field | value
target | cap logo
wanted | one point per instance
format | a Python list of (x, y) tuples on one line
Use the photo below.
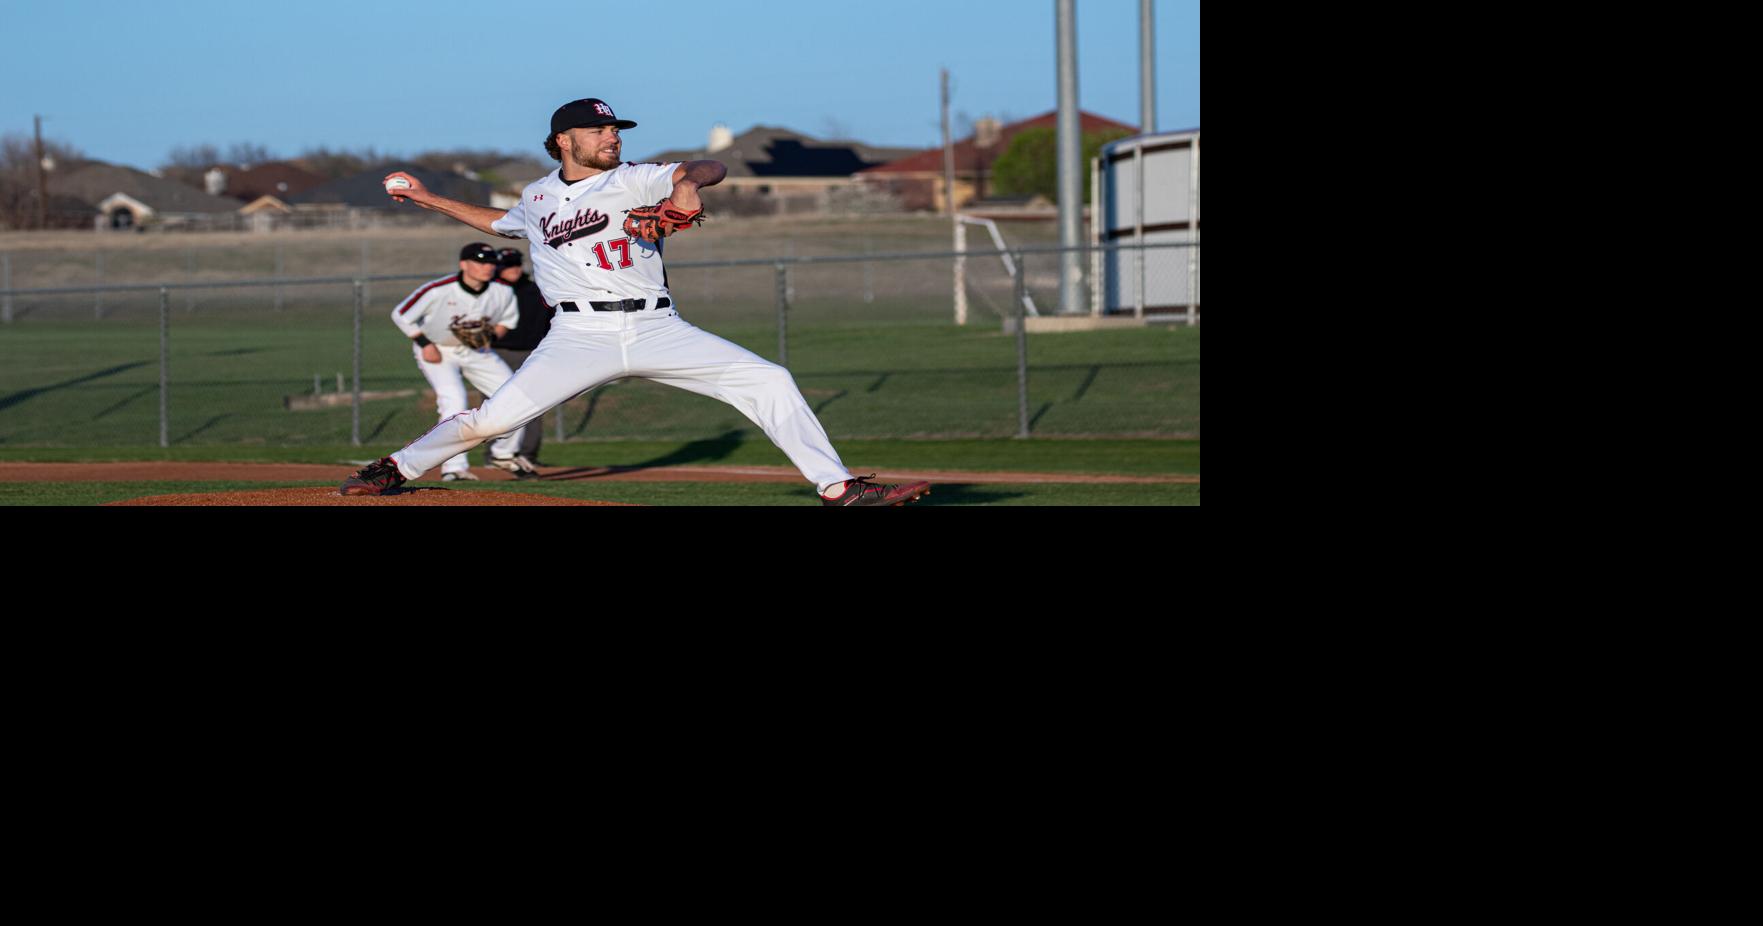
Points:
[(603, 109)]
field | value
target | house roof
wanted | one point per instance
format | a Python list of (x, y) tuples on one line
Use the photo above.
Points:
[(97, 182), (516, 174), (970, 156), (773, 151), (366, 190), (277, 178)]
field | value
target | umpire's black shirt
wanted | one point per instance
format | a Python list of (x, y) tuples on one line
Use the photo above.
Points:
[(535, 317)]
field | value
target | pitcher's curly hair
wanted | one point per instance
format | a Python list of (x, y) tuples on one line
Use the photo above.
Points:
[(551, 148)]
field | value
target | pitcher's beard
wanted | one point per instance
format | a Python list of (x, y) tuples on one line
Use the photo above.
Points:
[(595, 159)]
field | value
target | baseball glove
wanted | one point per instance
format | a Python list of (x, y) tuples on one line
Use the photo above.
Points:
[(652, 223), (475, 333)]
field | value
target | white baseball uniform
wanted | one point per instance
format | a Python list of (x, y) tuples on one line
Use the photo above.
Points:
[(431, 311), (581, 256)]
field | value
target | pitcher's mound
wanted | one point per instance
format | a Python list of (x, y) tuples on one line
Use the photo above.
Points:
[(420, 497)]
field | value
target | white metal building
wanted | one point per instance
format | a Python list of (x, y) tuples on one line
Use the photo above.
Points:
[(1147, 190)]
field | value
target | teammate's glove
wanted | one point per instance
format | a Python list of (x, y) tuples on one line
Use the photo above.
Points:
[(652, 223), (475, 333)]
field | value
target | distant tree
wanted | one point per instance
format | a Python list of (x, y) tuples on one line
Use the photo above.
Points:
[(1031, 163), (18, 179), (193, 157), (340, 163), (187, 163), (249, 154), (461, 160), (835, 128)]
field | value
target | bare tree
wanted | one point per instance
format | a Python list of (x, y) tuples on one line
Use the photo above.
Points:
[(465, 159), (835, 128), (18, 182), (342, 162), (187, 164), (963, 124), (249, 154)]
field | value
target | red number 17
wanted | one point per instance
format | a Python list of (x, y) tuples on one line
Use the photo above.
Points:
[(622, 245)]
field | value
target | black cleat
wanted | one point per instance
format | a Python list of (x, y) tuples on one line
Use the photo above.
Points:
[(376, 478)]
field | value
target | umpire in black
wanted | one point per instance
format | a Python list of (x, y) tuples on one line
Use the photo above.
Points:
[(535, 320)]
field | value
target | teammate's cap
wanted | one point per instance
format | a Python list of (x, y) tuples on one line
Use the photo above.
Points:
[(479, 252), (584, 113), (507, 257)]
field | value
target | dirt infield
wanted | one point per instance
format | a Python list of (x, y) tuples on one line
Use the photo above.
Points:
[(431, 492), (323, 496)]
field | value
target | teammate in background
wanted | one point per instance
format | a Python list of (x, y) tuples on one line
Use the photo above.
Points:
[(514, 347), (433, 317), (615, 316)]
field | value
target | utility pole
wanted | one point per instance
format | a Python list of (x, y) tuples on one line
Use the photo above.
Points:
[(1070, 147), (42, 183), (948, 152), (1147, 70), (954, 217)]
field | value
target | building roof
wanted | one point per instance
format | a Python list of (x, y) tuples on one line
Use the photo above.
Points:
[(97, 182), (366, 190), (772, 151), (276, 178), (970, 156), (513, 176)]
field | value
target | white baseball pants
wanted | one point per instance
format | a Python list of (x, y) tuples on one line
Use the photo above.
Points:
[(487, 372), (586, 349)]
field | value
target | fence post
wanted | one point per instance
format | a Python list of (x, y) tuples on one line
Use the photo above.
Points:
[(560, 422), (98, 297), (189, 275), (355, 401), (1021, 348), (960, 272), (164, 367), (278, 276), (783, 314), (6, 284), (366, 270)]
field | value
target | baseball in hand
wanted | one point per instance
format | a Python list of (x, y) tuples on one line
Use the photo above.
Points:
[(397, 183)]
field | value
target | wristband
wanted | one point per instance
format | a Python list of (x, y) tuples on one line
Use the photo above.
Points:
[(422, 340)]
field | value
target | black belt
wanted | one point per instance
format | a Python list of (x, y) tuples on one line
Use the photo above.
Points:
[(622, 305)]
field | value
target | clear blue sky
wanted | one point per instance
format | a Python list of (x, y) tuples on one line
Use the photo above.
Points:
[(127, 81)]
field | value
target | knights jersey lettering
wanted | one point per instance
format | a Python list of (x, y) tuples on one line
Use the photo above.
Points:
[(566, 222)]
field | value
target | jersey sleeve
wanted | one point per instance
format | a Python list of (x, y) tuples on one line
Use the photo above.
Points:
[(505, 311), (513, 223), (409, 314), (655, 181)]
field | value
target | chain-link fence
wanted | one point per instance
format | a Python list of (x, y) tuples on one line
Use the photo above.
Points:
[(172, 358)]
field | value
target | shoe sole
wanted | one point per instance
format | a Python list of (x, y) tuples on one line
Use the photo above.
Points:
[(915, 496)]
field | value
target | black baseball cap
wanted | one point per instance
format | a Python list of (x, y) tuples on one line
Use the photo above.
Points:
[(507, 257), (478, 251), (585, 113)]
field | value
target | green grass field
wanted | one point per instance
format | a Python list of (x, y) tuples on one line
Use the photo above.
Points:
[(94, 384)]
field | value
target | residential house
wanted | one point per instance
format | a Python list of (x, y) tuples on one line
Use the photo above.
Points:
[(917, 179), (127, 198), (278, 179), (775, 171)]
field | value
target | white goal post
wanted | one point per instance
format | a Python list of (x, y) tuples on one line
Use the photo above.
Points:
[(1010, 268)]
